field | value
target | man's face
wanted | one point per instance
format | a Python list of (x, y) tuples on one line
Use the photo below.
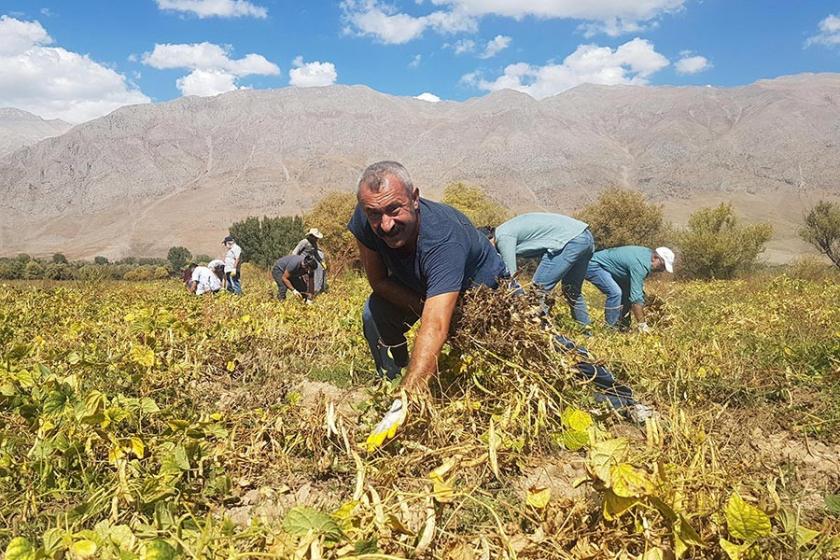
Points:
[(393, 213), (656, 263), (229, 244)]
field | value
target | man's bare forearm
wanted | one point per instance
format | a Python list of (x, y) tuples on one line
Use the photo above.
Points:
[(424, 357), (638, 312)]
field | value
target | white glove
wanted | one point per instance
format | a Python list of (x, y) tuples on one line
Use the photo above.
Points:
[(388, 426), (643, 328), (297, 293)]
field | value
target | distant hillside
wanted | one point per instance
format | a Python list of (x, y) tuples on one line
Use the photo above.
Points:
[(19, 128), (147, 177)]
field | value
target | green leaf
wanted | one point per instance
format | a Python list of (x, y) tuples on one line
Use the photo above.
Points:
[(122, 536), (20, 549), (366, 547), (684, 536), (175, 460), (149, 406), (54, 402), (832, 503), (744, 521), (158, 550), (300, 520), (94, 405)]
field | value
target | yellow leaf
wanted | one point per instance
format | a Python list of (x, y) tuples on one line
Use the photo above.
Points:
[(245, 319), (142, 355), (744, 521), (83, 548), (654, 554), (629, 482), (138, 447), (442, 491), (616, 506), (576, 419), (733, 550), (604, 454), (230, 366), (538, 497)]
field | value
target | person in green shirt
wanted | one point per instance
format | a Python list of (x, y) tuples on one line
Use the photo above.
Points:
[(620, 274), (563, 245)]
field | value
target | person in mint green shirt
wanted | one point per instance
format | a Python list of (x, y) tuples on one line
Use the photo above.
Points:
[(620, 274), (563, 245)]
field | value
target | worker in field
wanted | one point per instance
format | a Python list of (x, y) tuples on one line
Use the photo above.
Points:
[(309, 246), (290, 273), (620, 274), (563, 245), (233, 265), (202, 280), (218, 268), (419, 256)]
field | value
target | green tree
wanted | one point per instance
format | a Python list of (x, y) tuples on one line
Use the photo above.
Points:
[(265, 240), (178, 257), (475, 204), (100, 260), (203, 259), (59, 258), (330, 215), (623, 217), (715, 245), (822, 229)]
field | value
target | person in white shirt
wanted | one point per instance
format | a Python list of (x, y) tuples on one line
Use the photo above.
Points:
[(233, 261), (203, 280)]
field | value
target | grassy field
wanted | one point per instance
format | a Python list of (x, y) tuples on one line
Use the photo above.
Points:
[(137, 421)]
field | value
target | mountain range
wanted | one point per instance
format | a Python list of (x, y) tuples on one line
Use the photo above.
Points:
[(147, 177)]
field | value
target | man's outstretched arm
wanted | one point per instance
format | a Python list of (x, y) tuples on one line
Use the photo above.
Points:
[(383, 286), (434, 328)]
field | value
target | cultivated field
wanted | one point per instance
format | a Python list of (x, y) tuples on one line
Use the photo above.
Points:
[(137, 421)]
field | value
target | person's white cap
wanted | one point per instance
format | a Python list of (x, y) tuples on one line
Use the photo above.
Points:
[(315, 233), (215, 263), (667, 256)]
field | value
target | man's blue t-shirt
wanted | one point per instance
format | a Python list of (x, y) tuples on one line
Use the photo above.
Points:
[(451, 254)]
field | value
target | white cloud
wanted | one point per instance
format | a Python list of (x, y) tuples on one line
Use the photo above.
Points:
[(464, 46), (374, 19), (829, 34), (53, 82), (213, 70), (415, 62), (631, 63), (312, 74), (214, 8), (430, 97), (495, 46), (612, 17), (205, 83), (692, 64)]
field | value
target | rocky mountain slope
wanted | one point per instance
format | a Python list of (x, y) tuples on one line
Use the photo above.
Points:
[(19, 128), (147, 177)]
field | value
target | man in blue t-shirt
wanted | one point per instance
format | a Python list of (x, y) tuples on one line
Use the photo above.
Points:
[(419, 256)]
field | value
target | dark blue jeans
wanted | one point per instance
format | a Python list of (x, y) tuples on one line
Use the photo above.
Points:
[(617, 305), (607, 388), (568, 268), (234, 283)]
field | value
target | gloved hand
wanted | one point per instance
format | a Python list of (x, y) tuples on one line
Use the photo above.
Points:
[(297, 294), (643, 328), (388, 426), (234, 273)]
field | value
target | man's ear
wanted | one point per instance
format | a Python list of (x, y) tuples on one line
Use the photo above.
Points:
[(416, 198)]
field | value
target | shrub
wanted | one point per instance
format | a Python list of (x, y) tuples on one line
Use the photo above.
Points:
[(715, 245), (330, 215), (59, 271), (23, 257), (59, 258), (178, 257), (265, 240), (622, 217), (822, 229), (11, 269), (475, 204), (811, 267), (100, 260), (160, 272), (202, 258), (92, 272), (33, 270)]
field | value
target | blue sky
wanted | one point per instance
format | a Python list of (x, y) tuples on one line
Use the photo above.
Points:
[(80, 59)]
